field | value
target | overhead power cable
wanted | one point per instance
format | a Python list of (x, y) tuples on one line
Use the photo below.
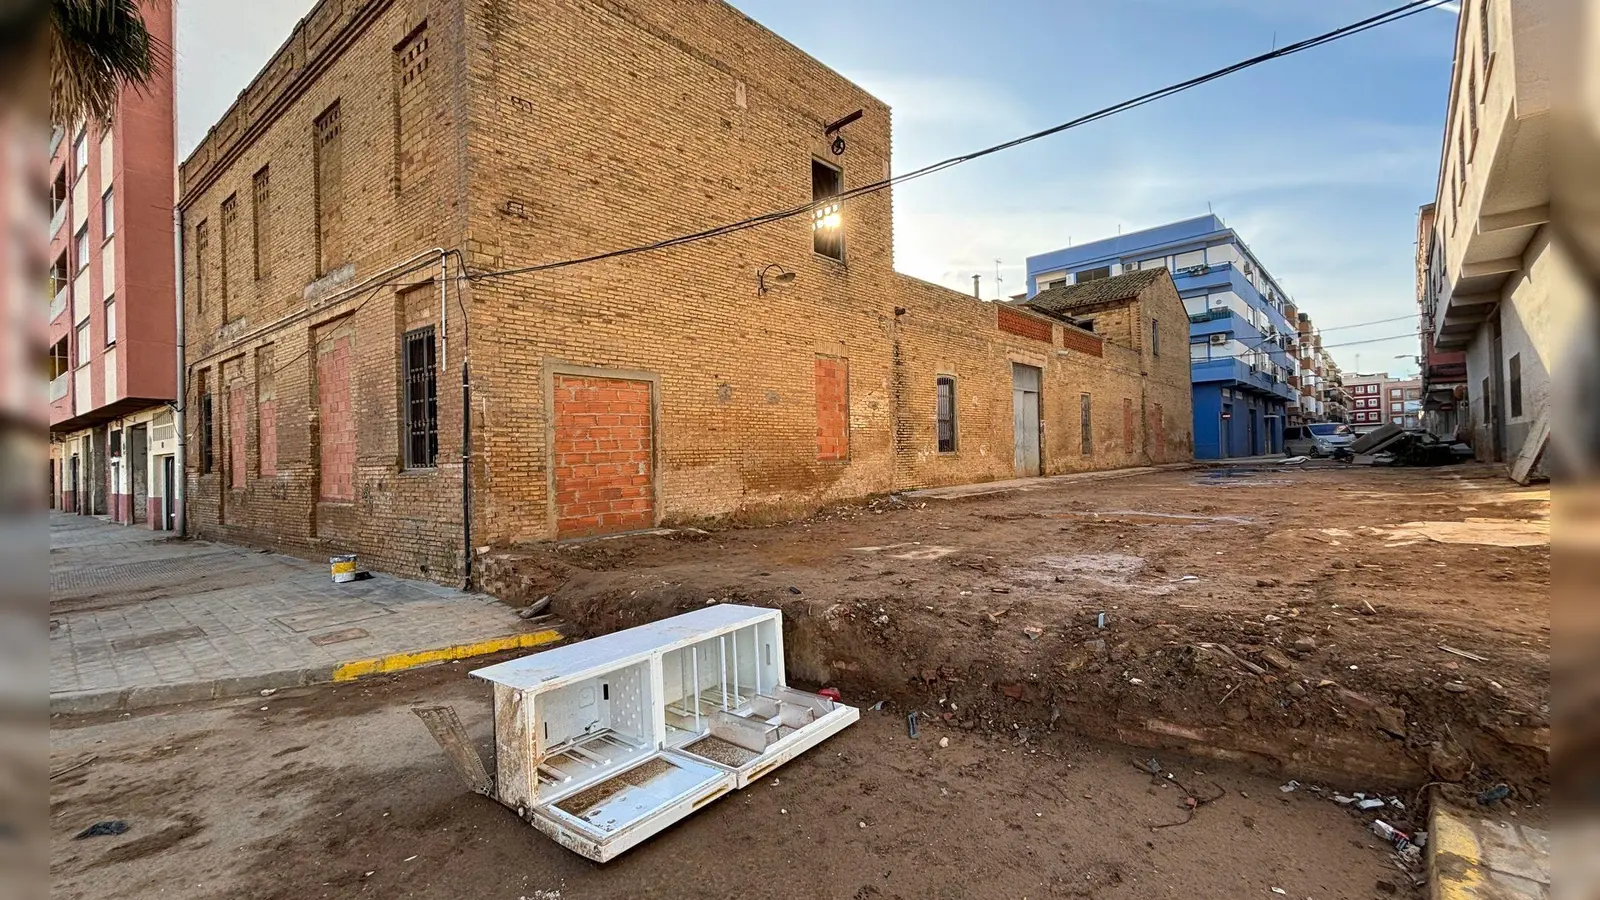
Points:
[(1395, 14)]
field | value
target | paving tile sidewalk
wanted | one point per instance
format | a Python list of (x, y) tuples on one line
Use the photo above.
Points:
[(137, 619)]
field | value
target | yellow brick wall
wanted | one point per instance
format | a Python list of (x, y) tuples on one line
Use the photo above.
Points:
[(532, 131), (674, 118), (945, 332), (403, 521)]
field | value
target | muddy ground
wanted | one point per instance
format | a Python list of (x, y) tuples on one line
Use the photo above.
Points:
[(1292, 620), (337, 792)]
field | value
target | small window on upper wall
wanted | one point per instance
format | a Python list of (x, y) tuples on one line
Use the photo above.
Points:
[(1092, 274), (1155, 337), (827, 221), (80, 153), (108, 214), (946, 388)]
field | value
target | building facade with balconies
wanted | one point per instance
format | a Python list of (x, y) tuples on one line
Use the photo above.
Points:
[(1248, 377), (1444, 372), (1501, 286), (112, 333)]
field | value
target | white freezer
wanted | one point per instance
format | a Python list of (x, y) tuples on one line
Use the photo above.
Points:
[(603, 743)]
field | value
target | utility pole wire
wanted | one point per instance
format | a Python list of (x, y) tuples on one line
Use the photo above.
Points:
[(1384, 18)]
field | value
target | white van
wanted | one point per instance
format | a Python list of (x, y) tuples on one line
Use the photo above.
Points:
[(1319, 439)]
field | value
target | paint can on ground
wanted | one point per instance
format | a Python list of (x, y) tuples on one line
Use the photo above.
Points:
[(344, 568)]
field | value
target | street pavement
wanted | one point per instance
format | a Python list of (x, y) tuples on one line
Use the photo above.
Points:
[(139, 619)]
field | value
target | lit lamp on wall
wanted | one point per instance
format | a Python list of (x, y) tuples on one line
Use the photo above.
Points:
[(782, 276)]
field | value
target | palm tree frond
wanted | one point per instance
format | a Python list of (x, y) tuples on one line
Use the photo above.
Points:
[(96, 48)]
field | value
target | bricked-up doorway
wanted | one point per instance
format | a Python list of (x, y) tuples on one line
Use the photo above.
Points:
[(602, 455)]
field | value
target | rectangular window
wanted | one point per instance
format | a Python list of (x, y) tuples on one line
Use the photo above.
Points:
[(827, 222), (208, 458), (81, 248), (421, 414), (328, 133), (1059, 282), (80, 153), (1485, 32), (111, 321), (1515, 365), (60, 360), (1155, 337), (946, 387), (261, 221), (108, 214), (1394, 392), (1472, 105), (1092, 274), (1088, 430), (230, 218), (202, 255), (83, 344)]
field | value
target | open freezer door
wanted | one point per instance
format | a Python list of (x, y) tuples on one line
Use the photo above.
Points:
[(602, 819), (766, 731)]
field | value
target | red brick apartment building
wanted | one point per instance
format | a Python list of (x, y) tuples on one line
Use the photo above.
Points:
[(112, 357), (389, 143)]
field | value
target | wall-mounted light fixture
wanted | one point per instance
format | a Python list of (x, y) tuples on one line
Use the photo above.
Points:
[(782, 276)]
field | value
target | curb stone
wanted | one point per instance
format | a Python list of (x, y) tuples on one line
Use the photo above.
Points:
[(77, 703)]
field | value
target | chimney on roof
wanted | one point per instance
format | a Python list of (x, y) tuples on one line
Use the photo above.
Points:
[(975, 293)]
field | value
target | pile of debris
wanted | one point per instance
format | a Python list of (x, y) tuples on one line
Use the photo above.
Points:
[(1392, 445)]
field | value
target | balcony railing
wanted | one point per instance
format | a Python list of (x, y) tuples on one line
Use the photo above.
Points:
[(56, 218), (1210, 315), (58, 386), (58, 303)]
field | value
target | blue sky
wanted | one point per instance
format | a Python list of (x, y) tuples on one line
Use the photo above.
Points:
[(1319, 160)]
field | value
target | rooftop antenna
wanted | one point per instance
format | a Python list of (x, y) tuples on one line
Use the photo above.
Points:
[(1209, 209), (998, 293)]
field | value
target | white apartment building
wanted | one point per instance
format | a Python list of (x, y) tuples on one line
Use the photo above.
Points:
[(1506, 291)]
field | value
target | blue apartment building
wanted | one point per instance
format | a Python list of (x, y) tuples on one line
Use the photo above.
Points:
[(1242, 325)]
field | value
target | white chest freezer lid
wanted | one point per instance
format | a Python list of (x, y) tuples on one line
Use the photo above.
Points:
[(549, 668)]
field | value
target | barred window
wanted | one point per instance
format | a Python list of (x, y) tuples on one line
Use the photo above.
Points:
[(947, 414), (421, 412)]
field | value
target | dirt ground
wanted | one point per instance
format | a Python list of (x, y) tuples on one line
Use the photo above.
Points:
[(339, 792), (1292, 619), (1259, 625)]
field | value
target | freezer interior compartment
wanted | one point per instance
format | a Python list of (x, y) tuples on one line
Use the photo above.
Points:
[(710, 682), (648, 789), (591, 729)]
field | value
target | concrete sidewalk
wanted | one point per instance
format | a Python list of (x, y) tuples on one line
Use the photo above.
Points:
[(1471, 857), (138, 619)]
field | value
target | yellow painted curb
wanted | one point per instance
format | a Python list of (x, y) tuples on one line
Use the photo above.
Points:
[(397, 662), (1461, 878)]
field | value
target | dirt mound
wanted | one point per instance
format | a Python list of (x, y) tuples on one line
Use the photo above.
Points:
[(1308, 655)]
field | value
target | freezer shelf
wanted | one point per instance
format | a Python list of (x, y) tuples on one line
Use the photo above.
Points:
[(768, 731), (608, 817)]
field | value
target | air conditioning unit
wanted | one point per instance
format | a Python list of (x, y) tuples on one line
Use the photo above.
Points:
[(1219, 339)]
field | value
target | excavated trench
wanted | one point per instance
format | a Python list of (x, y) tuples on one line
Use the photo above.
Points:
[(1148, 684)]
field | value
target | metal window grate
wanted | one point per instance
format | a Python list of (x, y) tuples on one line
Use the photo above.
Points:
[(947, 415), (1088, 428), (422, 400), (207, 451)]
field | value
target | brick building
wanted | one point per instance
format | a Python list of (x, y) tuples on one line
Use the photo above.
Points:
[(112, 334), (389, 143)]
